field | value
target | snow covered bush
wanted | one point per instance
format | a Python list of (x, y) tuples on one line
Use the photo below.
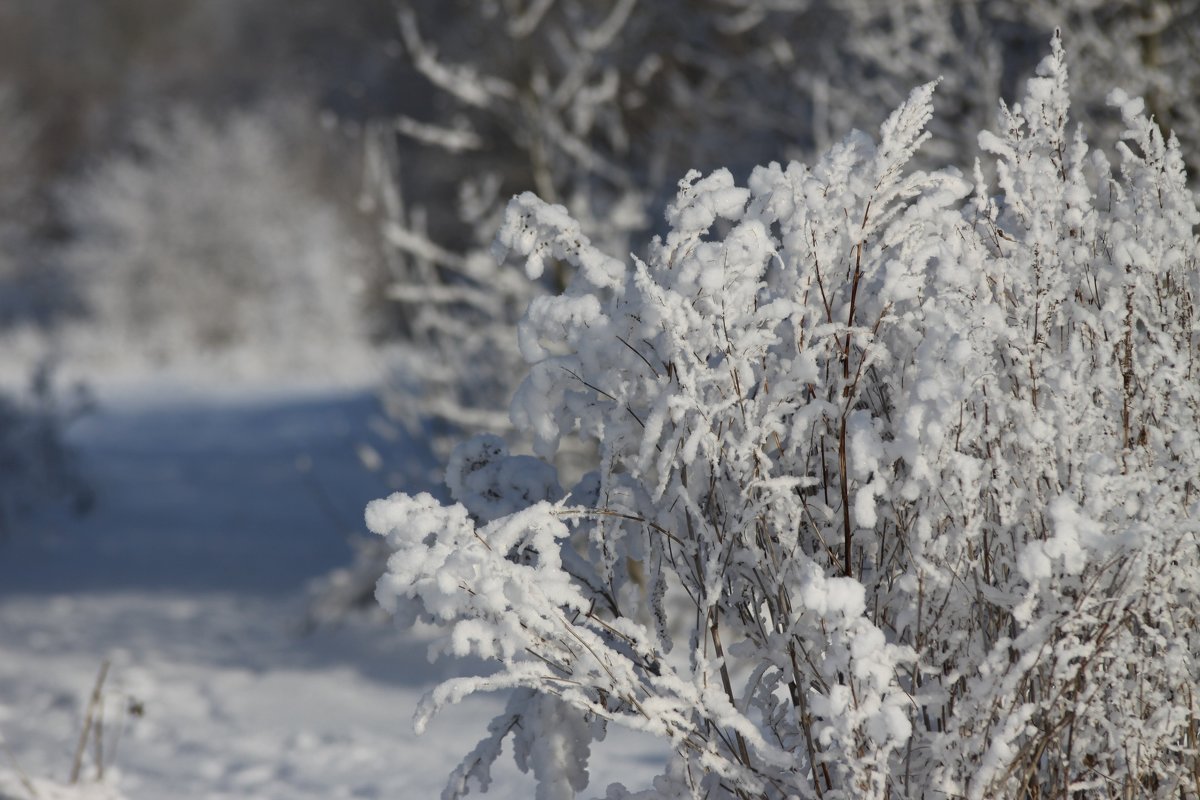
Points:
[(209, 237), (897, 489), (455, 308), (595, 105), (598, 106), (983, 49)]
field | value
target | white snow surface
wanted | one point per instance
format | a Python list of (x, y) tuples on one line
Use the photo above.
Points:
[(215, 509)]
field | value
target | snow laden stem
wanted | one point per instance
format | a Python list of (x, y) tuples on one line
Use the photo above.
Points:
[(865, 520)]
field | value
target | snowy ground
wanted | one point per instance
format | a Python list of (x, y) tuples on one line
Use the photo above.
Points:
[(214, 512)]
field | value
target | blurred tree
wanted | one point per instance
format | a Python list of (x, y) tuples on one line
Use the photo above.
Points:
[(207, 236)]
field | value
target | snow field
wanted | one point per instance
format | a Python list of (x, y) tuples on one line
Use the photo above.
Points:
[(190, 577)]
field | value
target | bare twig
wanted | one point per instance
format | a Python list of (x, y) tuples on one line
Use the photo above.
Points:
[(90, 718), (21, 775)]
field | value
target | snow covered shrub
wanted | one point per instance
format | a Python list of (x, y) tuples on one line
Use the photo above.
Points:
[(596, 106), (897, 490), (982, 50), (599, 105), (456, 308), (208, 237)]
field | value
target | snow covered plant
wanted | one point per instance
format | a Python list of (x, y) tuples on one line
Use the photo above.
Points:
[(595, 105), (210, 237), (983, 49), (898, 482)]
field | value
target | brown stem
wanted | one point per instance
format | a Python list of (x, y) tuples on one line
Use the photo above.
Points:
[(848, 396), (88, 717), (726, 683), (846, 530), (797, 690)]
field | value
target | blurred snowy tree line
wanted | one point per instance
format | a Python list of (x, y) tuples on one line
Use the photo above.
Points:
[(153, 150), (295, 180)]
